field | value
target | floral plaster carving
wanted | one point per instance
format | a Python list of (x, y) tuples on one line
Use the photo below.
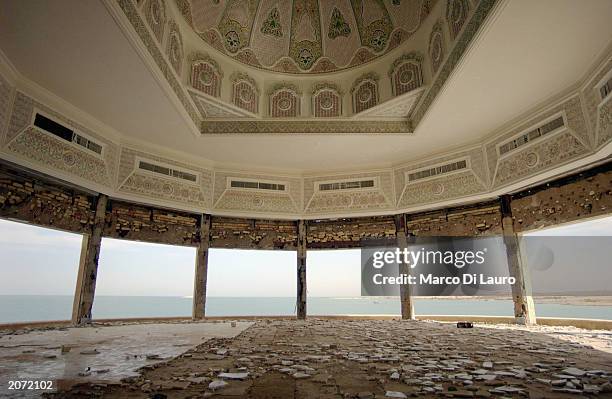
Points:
[(576, 123), (245, 93), (272, 25), (44, 149), (597, 108), (135, 181), (284, 101), (338, 25), (305, 127), (175, 47), (244, 11), (365, 92), (257, 199), (457, 12), (6, 94), (440, 189), (205, 74), (23, 108), (238, 200), (155, 12), (405, 73), (242, 23), (436, 47), (554, 151), (326, 100), (604, 122), (166, 189), (347, 202), (380, 197), (78, 161)]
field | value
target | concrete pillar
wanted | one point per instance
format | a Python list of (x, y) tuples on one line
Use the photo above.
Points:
[(88, 266), (524, 309), (201, 270), (301, 270), (405, 289)]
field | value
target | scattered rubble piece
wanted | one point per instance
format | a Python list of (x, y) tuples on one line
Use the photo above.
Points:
[(217, 384), (233, 376), (573, 371)]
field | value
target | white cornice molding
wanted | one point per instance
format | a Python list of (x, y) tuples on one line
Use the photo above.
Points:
[(489, 21), (595, 68), (132, 37), (8, 70)]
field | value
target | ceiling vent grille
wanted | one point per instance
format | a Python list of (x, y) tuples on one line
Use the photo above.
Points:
[(606, 89), (347, 185), (437, 170), (166, 171), (531, 135), (257, 185), (64, 133)]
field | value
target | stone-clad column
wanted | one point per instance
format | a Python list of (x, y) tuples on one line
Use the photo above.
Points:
[(405, 289), (88, 266), (201, 270), (524, 309), (301, 270)]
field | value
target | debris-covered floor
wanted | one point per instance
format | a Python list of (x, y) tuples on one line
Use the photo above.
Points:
[(110, 353), (375, 358)]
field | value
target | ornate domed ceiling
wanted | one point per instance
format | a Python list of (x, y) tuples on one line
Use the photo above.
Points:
[(305, 36)]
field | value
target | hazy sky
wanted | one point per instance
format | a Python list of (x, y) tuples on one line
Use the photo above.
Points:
[(35, 260), (49, 267)]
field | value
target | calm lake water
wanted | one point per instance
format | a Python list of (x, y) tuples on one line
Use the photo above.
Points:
[(14, 308)]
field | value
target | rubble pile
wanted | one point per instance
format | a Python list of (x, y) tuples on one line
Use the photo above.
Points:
[(362, 359)]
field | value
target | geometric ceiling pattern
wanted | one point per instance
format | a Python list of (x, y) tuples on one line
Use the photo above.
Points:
[(305, 36)]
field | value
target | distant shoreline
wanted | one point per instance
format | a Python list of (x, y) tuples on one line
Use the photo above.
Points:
[(580, 300)]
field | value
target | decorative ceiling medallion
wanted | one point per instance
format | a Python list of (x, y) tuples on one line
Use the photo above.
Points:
[(456, 14), (437, 189), (367, 26), (236, 23), (69, 158), (175, 47), (436, 47), (305, 46), (205, 74), (244, 92), (272, 25), (365, 92), (531, 159), (156, 17), (155, 12), (373, 22), (337, 25), (395, 126), (326, 100), (405, 73), (285, 101)]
